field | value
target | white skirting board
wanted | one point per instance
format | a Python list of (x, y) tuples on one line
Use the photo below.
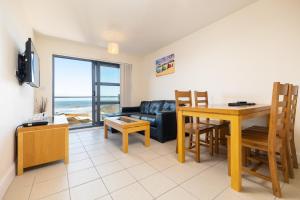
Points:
[(6, 180)]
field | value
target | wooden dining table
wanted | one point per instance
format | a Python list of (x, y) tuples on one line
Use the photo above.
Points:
[(235, 115)]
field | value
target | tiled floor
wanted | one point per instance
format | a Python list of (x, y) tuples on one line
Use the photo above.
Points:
[(98, 169)]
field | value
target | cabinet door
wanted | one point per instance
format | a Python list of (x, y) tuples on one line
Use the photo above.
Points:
[(42, 146)]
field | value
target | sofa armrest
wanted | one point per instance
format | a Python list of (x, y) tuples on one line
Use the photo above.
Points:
[(167, 125), (130, 109)]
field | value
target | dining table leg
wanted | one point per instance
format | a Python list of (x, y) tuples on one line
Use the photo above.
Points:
[(236, 153), (180, 137)]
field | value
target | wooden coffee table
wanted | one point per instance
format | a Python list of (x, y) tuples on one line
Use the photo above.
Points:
[(126, 126)]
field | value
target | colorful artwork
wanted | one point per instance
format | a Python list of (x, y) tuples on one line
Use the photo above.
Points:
[(165, 65)]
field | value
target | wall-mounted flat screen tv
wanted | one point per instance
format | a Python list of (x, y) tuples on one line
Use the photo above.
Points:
[(29, 66)]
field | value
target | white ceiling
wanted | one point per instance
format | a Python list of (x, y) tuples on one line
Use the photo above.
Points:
[(139, 26)]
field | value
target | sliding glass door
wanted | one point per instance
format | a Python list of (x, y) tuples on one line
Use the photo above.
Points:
[(85, 90), (106, 90)]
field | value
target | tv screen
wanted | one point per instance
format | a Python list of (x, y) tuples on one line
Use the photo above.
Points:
[(32, 65)]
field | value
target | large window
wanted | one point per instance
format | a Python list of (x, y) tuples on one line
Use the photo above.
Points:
[(85, 91)]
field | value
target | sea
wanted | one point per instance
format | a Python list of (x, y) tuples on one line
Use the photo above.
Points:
[(73, 105), (78, 105)]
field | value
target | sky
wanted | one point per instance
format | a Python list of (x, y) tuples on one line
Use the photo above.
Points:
[(74, 78)]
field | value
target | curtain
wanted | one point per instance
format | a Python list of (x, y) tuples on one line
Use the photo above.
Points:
[(125, 85)]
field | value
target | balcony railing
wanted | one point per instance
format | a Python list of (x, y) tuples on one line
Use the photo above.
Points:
[(78, 109)]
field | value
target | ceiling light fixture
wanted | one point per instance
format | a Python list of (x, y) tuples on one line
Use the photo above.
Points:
[(113, 48)]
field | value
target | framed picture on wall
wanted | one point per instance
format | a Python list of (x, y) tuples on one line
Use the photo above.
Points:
[(165, 65)]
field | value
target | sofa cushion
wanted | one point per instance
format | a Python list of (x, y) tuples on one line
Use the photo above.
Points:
[(145, 106), (149, 118), (155, 107), (169, 105)]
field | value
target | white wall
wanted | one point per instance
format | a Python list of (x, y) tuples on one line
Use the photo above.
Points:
[(236, 58), (16, 102), (47, 46)]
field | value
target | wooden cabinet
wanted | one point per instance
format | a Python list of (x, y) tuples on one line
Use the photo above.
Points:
[(42, 144)]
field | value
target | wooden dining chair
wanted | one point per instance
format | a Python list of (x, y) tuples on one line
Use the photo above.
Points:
[(193, 129), (221, 127), (270, 143), (290, 142)]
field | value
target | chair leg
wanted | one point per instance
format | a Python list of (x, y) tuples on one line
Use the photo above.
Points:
[(211, 142), (217, 134), (244, 156), (257, 152), (294, 155), (223, 134), (190, 140), (206, 138), (228, 157), (284, 163), (289, 160), (176, 145), (197, 148), (274, 175), (248, 154)]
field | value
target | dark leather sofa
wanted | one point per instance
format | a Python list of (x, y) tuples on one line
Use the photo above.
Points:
[(161, 115)]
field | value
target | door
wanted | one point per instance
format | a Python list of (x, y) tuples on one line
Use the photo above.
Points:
[(72, 92), (106, 90)]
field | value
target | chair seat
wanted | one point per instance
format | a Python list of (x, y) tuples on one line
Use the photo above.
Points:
[(191, 127), (255, 140), (256, 129), (259, 140), (262, 130)]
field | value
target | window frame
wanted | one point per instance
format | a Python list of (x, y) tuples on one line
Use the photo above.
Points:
[(94, 62)]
